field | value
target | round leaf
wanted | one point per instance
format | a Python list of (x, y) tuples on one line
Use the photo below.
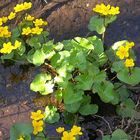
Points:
[(132, 79)]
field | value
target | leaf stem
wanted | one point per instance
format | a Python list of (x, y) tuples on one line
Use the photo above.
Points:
[(76, 118)]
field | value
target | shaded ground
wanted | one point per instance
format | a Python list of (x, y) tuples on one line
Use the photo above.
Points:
[(66, 20)]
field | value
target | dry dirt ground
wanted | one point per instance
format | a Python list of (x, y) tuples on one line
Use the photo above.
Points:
[(67, 19)]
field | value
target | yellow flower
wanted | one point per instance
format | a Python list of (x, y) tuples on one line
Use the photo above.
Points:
[(27, 5), (22, 7), (26, 31), (21, 138), (114, 10), (37, 30), (17, 44), (12, 16), (76, 130), (4, 32), (106, 9), (40, 22), (68, 136), (60, 129), (7, 34), (129, 45), (38, 126), (122, 52), (19, 8), (4, 19), (29, 18), (37, 115), (129, 62), (7, 48)]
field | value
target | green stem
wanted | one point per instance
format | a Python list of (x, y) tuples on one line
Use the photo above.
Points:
[(130, 72), (76, 118), (118, 87), (44, 134), (103, 35)]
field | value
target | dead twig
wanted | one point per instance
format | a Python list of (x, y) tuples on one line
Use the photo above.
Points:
[(110, 130)]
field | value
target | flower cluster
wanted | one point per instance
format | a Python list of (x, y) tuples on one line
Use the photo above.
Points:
[(4, 32), (37, 121), (69, 135), (22, 7), (106, 10), (19, 7), (123, 53), (8, 47), (35, 30)]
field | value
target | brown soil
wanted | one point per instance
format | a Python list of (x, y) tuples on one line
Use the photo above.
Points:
[(67, 19)]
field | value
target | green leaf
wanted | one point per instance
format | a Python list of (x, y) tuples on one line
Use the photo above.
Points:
[(83, 42), (34, 42), (7, 56), (39, 84), (51, 115), (40, 136), (107, 137), (21, 50), (96, 23), (39, 57), (73, 108), (60, 58), (30, 55), (59, 46), (98, 44), (54, 59), (111, 55), (86, 100), (20, 129), (63, 76), (116, 45), (126, 108), (48, 47), (84, 81), (16, 33), (132, 79), (72, 96), (77, 59), (88, 109), (98, 59), (122, 91), (116, 99), (48, 88), (118, 66), (110, 19), (105, 90), (101, 59), (119, 135), (101, 76)]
